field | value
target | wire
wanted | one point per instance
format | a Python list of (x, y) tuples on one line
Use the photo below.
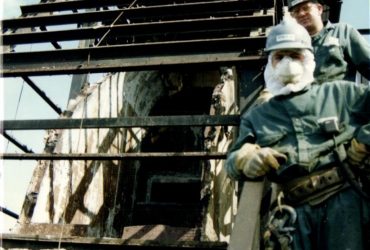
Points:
[(16, 111), (113, 23)]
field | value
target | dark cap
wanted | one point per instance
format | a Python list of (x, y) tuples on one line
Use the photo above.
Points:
[(293, 3)]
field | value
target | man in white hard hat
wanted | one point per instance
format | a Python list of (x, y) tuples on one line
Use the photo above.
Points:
[(339, 49), (299, 139)]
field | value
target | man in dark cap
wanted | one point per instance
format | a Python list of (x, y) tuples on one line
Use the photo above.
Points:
[(339, 49)]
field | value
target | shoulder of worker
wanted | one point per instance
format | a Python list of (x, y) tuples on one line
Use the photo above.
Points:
[(334, 33), (340, 86), (334, 83), (339, 25), (341, 28)]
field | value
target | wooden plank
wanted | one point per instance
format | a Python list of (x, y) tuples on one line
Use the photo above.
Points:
[(245, 233)]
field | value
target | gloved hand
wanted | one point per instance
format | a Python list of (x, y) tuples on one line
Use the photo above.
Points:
[(255, 161), (357, 153)]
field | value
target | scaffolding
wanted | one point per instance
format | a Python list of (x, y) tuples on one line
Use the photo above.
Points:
[(131, 36)]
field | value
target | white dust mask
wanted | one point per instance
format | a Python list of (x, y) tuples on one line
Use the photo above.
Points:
[(288, 70), (289, 75)]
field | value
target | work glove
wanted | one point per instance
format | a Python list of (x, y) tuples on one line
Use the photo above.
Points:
[(255, 161), (357, 153)]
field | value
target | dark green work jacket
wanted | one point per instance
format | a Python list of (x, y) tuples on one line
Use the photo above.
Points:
[(339, 51), (291, 125)]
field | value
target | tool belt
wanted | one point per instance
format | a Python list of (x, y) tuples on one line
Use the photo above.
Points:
[(315, 187)]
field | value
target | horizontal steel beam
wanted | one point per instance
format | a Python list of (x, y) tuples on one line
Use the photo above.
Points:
[(88, 4), (71, 5), (139, 14), (162, 31), (122, 156), (42, 95), (364, 31), (121, 122), (131, 57), (33, 242), (71, 66), (22, 147), (8, 212)]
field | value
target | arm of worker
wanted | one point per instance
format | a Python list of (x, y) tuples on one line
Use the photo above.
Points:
[(357, 153), (246, 135), (247, 159), (253, 161), (358, 50), (359, 148)]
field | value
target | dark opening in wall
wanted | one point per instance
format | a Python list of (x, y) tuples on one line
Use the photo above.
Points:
[(186, 190), (168, 190)]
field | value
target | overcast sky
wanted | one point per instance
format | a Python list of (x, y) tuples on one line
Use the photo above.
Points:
[(11, 7), (19, 101)]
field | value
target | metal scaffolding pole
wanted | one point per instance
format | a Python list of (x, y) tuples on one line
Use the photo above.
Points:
[(123, 122), (16, 143), (121, 156), (8, 212), (42, 94)]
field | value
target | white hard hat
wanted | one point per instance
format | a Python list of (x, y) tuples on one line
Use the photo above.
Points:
[(288, 34)]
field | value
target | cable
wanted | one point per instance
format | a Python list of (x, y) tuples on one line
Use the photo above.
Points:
[(16, 111), (113, 23)]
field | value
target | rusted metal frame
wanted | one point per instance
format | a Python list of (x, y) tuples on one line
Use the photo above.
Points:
[(223, 25), (42, 94), (105, 156), (139, 14), (34, 242), (71, 5), (130, 57), (120, 15), (166, 48), (364, 31), (9, 213), (55, 44), (122, 122), (86, 4), (101, 65), (15, 142)]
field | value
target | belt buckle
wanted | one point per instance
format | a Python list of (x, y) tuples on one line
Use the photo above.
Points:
[(314, 181)]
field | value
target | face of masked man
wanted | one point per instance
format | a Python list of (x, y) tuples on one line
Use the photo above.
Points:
[(289, 70)]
